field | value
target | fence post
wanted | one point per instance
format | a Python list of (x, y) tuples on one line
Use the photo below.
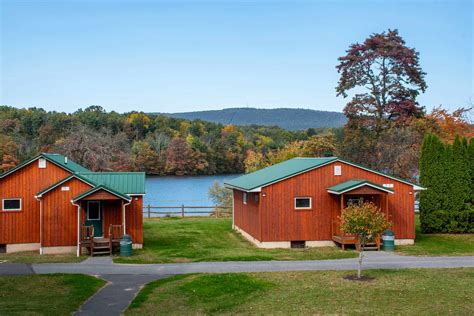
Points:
[(217, 212), (182, 210), (149, 211)]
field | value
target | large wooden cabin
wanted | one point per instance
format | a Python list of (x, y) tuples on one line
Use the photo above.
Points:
[(54, 205), (296, 203)]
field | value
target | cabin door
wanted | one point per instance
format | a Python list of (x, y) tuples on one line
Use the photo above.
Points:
[(94, 217)]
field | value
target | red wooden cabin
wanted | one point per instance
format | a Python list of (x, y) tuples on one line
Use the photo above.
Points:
[(297, 202), (53, 205)]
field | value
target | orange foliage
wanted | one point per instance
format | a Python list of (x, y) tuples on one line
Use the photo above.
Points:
[(452, 124)]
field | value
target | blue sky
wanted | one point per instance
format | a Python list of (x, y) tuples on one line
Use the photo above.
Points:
[(175, 56)]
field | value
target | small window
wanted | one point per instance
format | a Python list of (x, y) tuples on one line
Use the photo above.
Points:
[(255, 198), (302, 203), (11, 204), (41, 163), (93, 211), (337, 170), (64, 188), (245, 198)]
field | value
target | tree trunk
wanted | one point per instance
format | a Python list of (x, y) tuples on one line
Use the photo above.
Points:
[(361, 256)]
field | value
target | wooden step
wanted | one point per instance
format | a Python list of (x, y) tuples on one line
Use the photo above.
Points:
[(101, 253)]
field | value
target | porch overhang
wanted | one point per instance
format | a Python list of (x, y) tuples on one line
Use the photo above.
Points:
[(351, 185), (99, 188)]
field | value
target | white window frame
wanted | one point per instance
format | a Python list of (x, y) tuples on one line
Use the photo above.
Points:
[(337, 170), (12, 209), (93, 219), (304, 208), (42, 163), (244, 199)]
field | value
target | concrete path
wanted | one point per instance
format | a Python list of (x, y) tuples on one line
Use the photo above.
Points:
[(118, 293), (373, 260)]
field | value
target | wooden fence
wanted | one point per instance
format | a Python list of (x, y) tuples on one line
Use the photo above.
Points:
[(150, 211)]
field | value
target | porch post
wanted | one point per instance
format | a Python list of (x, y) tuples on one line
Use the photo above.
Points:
[(386, 204), (342, 201), (124, 219)]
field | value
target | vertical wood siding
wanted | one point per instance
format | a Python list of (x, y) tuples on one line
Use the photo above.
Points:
[(60, 215), (281, 222), (134, 218), (112, 214), (23, 226), (247, 216)]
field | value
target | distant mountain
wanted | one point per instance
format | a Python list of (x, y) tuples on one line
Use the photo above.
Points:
[(290, 119)]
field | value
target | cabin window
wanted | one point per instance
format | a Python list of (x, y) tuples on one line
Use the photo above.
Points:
[(337, 170), (41, 163), (302, 203), (93, 210), (256, 198), (11, 204), (245, 198)]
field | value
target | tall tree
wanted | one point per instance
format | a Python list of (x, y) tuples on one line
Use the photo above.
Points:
[(389, 77), (179, 157)]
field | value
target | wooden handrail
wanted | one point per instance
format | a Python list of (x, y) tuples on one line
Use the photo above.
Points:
[(115, 232), (87, 233)]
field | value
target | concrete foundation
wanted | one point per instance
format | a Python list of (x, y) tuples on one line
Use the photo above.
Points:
[(22, 247), (402, 242), (59, 250), (282, 244)]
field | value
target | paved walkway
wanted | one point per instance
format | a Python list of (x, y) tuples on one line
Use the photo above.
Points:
[(125, 280), (118, 293)]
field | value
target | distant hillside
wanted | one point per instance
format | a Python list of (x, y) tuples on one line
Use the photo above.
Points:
[(290, 119)]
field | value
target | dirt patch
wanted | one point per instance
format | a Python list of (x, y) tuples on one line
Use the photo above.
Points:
[(361, 279)]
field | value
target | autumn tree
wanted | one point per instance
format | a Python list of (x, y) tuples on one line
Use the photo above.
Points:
[(448, 125), (8, 153), (366, 221), (179, 157), (320, 146), (220, 195), (389, 77)]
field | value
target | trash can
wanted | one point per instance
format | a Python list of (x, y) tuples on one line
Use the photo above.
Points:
[(126, 246), (388, 239)]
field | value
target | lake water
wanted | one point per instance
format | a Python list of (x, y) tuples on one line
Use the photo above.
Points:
[(175, 191)]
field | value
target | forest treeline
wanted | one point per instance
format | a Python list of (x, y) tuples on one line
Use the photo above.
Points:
[(135, 141)]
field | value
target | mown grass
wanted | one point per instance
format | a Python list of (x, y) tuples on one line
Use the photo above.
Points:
[(59, 294), (35, 257), (170, 240), (392, 292), (439, 244)]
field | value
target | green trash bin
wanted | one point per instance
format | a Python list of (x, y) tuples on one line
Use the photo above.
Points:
[(388, 239), (126, 246)]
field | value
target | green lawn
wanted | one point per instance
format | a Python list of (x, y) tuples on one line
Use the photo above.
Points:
[(208, 239), (439, 244), (401, 292), (58, 294), (35, 257)]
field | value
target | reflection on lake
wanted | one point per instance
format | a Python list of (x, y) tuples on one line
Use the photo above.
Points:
[(187, 190)]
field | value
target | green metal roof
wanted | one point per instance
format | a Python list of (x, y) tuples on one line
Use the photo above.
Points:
[(57, 159), (124, 182), (293, 167), (353, 184), (61, 160), (277, 172), (98, 188)]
